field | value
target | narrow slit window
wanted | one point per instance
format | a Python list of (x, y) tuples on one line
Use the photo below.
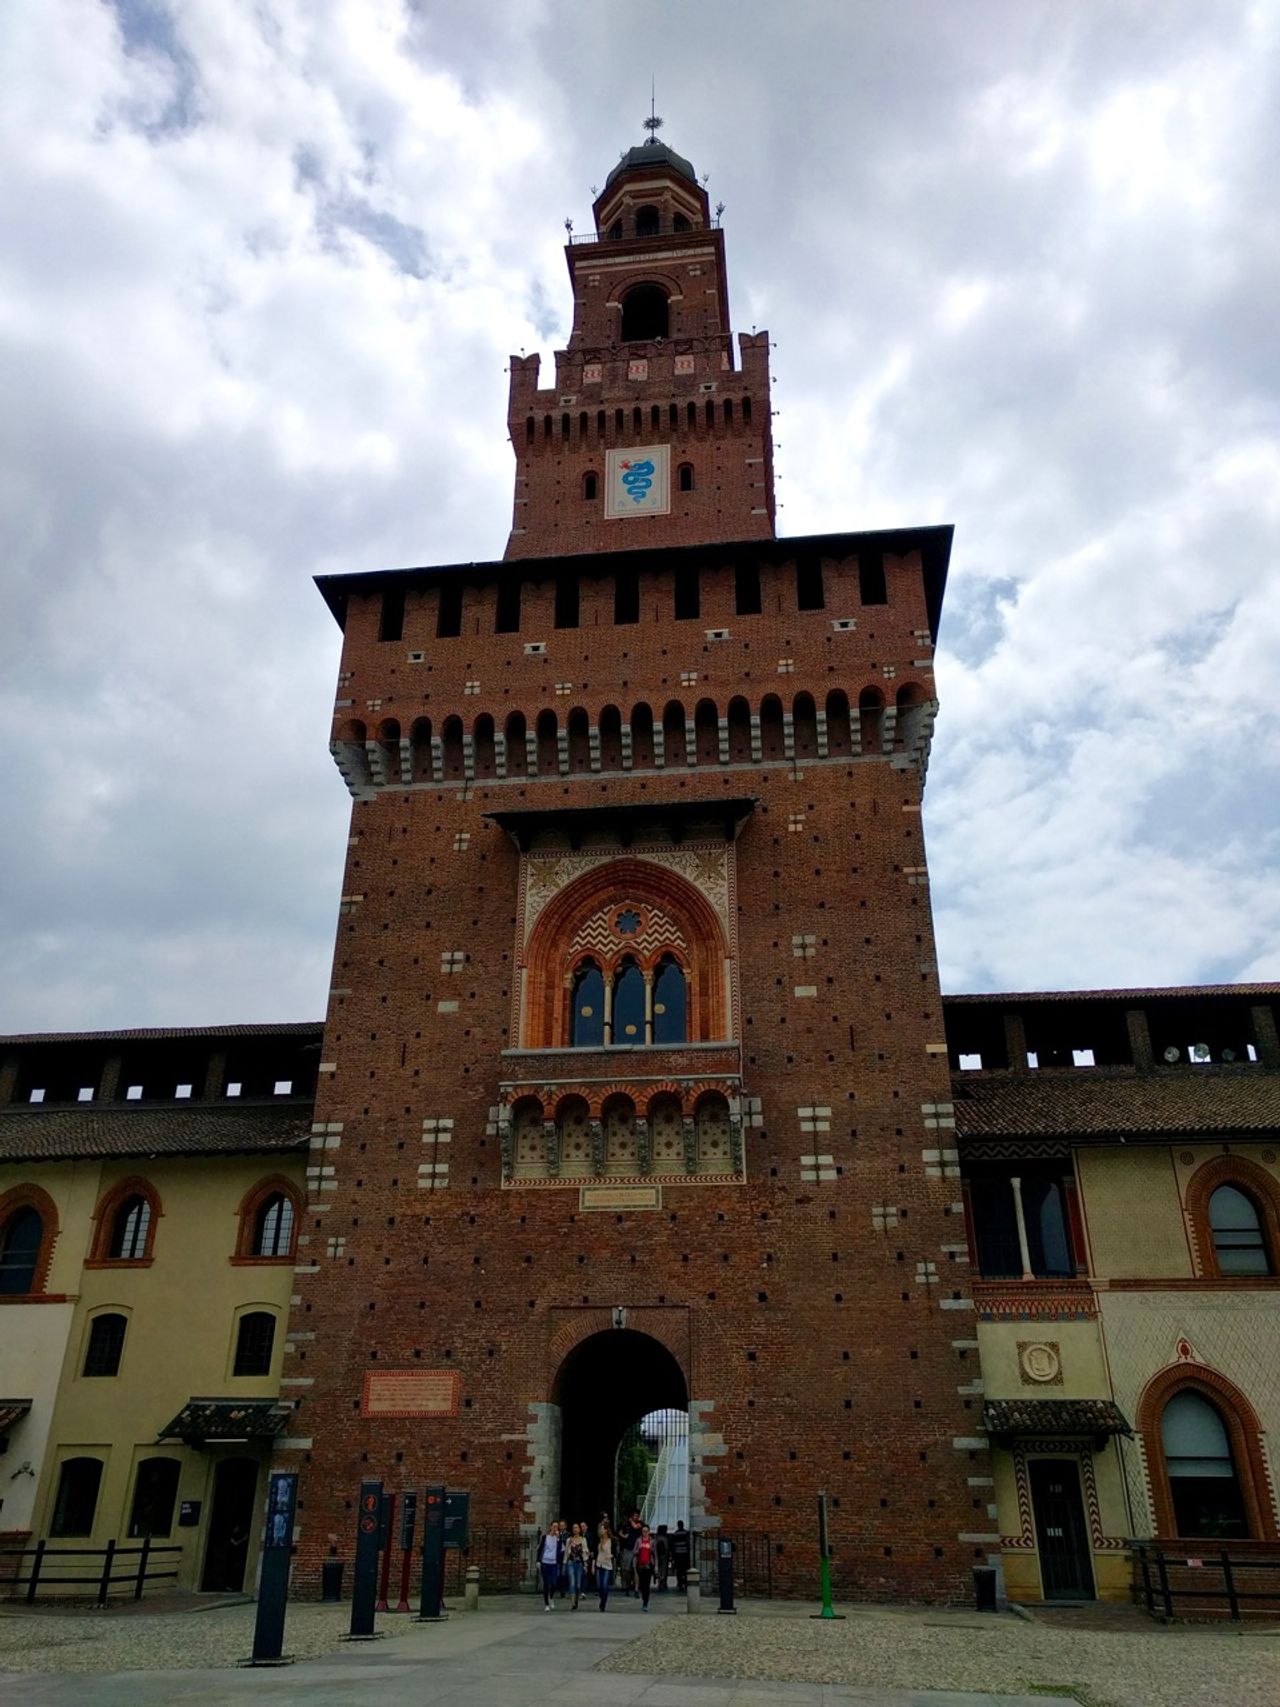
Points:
[(686, 477), (688, 596), (809, 590), (567, 601), (746, 589), (871, 582), (449, 616), (626, 596), (507, 615), (391, 624)]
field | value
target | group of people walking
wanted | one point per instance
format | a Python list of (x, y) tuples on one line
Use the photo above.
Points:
[(585, 1557)]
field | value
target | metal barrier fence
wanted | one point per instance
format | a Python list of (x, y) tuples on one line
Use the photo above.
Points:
[(752, 1561), (1209, 1578), (505, 1558), (47, 1573)]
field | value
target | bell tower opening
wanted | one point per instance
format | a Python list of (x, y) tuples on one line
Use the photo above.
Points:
[(624, 1412), (645, 314)]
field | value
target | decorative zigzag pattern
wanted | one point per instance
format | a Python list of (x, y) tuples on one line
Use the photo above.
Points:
[(598, 936)]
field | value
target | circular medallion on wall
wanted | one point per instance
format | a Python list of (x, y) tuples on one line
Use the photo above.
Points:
[(1040, 1361), (1186, 1157)]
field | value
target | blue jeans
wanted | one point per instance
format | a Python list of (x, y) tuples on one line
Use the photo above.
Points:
[(549, 1574), (574, 1568), (604, 1580)]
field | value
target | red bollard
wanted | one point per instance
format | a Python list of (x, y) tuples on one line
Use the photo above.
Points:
[(384, 1574)]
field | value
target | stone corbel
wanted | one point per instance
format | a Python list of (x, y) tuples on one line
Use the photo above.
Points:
[(644, 1146), (735, 1141), (690, 1132), (551, 1145)]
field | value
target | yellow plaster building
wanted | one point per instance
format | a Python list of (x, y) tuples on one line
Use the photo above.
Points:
[(1118, 1157), (151, 1194)]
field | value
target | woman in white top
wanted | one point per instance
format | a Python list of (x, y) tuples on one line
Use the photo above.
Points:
[(604, 1564)]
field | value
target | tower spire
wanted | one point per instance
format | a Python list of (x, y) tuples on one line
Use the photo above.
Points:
[(653, 124)]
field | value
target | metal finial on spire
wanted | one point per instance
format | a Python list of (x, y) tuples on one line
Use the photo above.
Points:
[(653, 124)]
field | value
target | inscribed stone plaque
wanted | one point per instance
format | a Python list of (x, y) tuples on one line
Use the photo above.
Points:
[(410, 1393), (620, 1197)]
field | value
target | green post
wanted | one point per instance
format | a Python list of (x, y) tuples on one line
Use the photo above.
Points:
[(824, 1562)]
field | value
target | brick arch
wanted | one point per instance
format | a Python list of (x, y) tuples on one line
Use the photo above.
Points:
[(648, 276), (586, 1324), (31, 1196), (1243, 1431), (1261, 1187), (629, 879)]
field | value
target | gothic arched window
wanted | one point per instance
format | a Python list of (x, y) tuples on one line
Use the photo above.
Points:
[(628, 1004), (670, 1006), (1238, 1240), (21, 1242), (588, 1007), (273, 1227), (129, 1229), (1203, 1483)]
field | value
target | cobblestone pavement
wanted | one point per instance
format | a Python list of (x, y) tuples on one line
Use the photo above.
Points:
[(510, 1655), (1147, 1666)]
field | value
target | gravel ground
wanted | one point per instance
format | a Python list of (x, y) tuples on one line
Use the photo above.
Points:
[(92, 1641), (1162, 1668)]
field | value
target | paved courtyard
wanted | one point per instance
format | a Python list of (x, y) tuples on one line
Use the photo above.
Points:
[(511, 1654)]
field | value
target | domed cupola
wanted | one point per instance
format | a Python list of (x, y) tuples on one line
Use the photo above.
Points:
[(651, 192)]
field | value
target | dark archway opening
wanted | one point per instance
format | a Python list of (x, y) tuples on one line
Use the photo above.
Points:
[(604, 1386), (645, 314)]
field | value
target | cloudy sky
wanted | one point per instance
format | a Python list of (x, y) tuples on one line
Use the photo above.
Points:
[(261, 264)]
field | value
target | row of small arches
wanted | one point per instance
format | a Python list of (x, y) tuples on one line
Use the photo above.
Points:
[(669, 1137), (727, 412), (388, 755)]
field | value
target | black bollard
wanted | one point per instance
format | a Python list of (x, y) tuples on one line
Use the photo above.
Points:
[(724, 1562)]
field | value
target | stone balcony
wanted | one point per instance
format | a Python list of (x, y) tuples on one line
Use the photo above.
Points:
[(630, 1114)]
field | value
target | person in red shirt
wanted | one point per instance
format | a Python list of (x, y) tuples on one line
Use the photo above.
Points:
[(646, 1559)]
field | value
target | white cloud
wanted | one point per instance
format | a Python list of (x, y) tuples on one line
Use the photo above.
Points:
[(262, 268)]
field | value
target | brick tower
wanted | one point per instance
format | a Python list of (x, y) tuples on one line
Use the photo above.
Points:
[(635, 1090), (649, 377)]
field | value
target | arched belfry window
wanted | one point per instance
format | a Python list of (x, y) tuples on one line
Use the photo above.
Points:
[(645, 314), (1203, 1483), (588, 1007), (1238, 1240), (647, 221), (670, 1003), (628, 1004)]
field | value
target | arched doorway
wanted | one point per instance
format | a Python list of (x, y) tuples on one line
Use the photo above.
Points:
[(606, 1386)]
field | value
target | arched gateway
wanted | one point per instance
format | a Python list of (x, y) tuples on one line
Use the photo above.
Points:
[(604, 1387)]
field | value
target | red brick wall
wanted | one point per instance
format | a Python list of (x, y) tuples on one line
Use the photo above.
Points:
[(826, 1356)]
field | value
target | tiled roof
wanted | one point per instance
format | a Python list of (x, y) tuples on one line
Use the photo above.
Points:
[(226, 1419), (36, 1134), (1179, 992), (1089, 1102), (1053, 1416), (167, 1033), (12, 1411)]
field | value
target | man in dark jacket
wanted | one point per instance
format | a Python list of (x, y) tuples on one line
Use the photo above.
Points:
[(662, 1547), (681, 1555)]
